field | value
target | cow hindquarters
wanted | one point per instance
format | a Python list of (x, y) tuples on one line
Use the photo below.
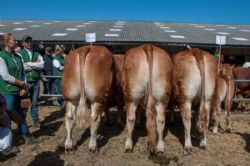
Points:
[(70, 117)]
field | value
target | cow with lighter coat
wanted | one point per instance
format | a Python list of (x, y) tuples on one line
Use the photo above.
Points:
[(194, 82), (87, 81), (147, 81)]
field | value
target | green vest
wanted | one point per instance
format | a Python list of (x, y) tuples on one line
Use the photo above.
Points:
[(15, 69), (57, 72), (32, 75)]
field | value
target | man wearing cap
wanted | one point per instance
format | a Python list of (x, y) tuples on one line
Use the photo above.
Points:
[(33, 65)]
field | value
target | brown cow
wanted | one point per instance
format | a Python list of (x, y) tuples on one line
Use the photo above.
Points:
[(86, 84), (224, 92), (147, 77), (118, 94), (241, 73), (194, 79), (242, 88)]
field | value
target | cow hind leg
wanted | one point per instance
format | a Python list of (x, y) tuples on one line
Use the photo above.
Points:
[(160, 124), (96, 111), (228, 115), (131, 115), (186, 118), (216, 114), (203, 140), (70, 117)]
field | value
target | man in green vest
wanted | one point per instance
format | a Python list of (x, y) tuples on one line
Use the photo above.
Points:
[(33, 65), (58, 65)]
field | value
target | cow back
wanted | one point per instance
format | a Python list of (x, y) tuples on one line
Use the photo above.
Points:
[(92, 68)]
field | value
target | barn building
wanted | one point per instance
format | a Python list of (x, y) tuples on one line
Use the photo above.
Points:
[(119, 36)]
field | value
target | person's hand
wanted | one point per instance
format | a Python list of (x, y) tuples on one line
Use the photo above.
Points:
[(19, 83), (26, 66), (44, 79), (22, 84), (22, 92), (25, 85), (38, 61), (61, 68)]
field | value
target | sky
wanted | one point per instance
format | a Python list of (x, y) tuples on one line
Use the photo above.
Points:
[(192, 11)]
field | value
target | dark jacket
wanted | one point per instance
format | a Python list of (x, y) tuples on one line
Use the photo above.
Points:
[(48, 64)]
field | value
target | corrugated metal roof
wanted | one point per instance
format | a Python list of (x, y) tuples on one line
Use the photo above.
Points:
[(127, 31)]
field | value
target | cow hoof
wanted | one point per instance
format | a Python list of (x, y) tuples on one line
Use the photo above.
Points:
[(93, 150), (203, 147), (188, 149), (69, 151), (203, 143), (128, 146), (160, 147), (128, 150), (215, 130), (160, 153), (228, 129)]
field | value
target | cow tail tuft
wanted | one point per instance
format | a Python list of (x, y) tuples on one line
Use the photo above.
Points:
[(83, 111)]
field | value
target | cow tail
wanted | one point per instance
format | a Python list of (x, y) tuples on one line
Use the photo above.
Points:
[(83, 110), (150, 124), (202, 117)]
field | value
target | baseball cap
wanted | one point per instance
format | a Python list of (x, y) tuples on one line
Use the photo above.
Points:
[(48, 48), (25, 37)]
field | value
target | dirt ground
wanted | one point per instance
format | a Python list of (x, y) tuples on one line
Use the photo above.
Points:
[(223, 149)]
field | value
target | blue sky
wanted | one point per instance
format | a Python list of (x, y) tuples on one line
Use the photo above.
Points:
[(198, 11)]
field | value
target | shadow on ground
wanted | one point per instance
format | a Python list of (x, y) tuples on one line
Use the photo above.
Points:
[(246, 137), (48, 158), (50, 124)]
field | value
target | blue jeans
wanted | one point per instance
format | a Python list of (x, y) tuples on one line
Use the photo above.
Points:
[(34, 94), (13, 103), (58, 85)]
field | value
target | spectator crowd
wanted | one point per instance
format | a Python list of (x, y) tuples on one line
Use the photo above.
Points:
[(20, 76)]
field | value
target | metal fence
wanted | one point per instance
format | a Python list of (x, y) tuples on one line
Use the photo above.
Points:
[(50, 95), (56, 95)]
